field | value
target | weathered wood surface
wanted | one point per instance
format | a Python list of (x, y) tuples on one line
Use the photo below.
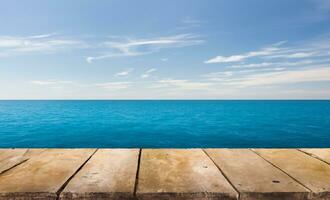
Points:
[(322, 154), (7, 153), (311, 172), (255, 178), (11, 157), (109, 174), (42, 176), (181, 174), (194, 174)]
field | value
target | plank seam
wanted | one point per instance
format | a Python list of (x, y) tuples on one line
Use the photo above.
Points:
[(239, 195), (13, 149), (282, 171), (137, 173), (23, 161), (313, 156), (6, 170), (72, 176), (27, 150)]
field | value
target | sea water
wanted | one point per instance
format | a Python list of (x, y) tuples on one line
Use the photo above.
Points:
[(165, 123)]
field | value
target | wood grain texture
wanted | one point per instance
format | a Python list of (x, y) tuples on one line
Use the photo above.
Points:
[(109, 174), (42, 176), (181, 174), (322, 154), (311, 172), (12, 157), (254, 177)]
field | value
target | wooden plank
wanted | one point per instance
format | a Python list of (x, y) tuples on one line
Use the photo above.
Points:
[(42, 176), (255, 178), (180, 174), (10, 158), (14, 157), (311, 172), (109, 174), (323, 154), (8, 153)]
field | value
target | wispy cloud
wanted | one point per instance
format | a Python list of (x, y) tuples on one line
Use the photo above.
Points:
[(218, 76), (252, 77), (280, 50), (63, 84), (51, 82), (284, 77), (36, 44), (181, 84), (114, 85), (137, 47), (241, 57), (147, 73), (124, 73), (286, 64), (274, 64)]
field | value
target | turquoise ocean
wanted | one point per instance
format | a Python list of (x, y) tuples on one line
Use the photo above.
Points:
[(165, 123)]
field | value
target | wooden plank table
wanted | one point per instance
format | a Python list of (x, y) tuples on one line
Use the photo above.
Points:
[(42, 176), (109, 174), (255, 178), (181, 174), (322, 154), (11, 157), (194, 174), (309, 171)]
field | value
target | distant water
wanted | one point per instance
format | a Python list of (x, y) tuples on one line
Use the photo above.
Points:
[(164, 124)]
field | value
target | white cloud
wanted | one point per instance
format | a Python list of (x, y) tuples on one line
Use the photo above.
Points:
[(218, 76), (164, 59), (284, 77), (310, 49), (137, 47), (147, 73), (41, 36), (114, 85), (182, 84), (37, 44), (241, 57), (252, 65), (273, 64), (124, 73), (89, 59), (295, 55), (51, 82)]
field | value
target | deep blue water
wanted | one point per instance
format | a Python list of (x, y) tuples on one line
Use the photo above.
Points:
[(165, 123)]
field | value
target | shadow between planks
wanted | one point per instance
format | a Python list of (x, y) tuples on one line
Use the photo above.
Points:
[(249, 174)]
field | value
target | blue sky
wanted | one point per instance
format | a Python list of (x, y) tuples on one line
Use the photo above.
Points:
[(147, 49)]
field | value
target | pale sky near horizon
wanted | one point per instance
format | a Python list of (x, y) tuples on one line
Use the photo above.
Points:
[(147, 49)]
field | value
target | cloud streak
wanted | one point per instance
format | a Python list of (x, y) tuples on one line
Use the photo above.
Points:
[(147, 73), (138, 47), (124, 73), (240, 57), (113, 86), (181, 84), (51, 82), (278, 50), (36, 44), (285, 77)]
